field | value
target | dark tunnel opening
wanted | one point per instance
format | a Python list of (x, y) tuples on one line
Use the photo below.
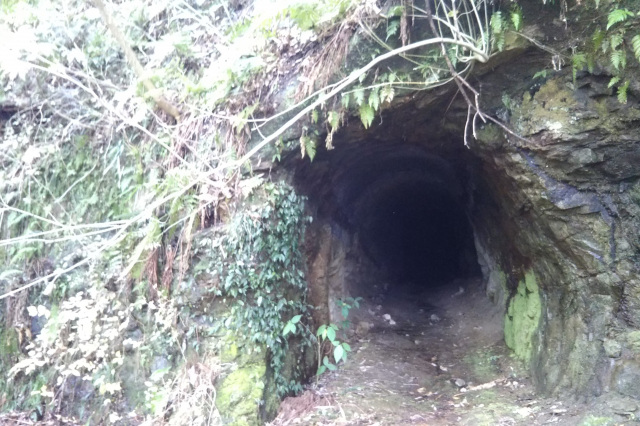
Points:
[(418, 233), (404, 205)]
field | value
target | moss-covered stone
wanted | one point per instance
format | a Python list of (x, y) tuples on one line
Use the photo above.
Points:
[(633, 341), (240, 395), (523, 317), (243, 393)]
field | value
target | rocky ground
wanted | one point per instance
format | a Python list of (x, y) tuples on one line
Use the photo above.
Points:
[(437, 357)]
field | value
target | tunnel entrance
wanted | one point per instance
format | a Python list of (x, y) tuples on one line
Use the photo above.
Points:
[(403, 207), (391, 225)]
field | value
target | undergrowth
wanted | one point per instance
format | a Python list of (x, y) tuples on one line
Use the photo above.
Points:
[(261, 272)]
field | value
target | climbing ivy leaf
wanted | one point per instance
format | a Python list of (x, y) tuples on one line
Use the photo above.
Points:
[(338, 351), (289, 328), (328, 364), (331, 334), (635, 44), (622, 92), (322, 331), (366, 115), (617, 16)]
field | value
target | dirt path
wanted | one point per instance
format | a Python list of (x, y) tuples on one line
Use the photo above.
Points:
[(435, 358)]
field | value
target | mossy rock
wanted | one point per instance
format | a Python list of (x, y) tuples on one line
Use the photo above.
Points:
[(240, 395), (523, 318)]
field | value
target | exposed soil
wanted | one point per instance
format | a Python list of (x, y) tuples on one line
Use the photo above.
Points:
[(443, 362)]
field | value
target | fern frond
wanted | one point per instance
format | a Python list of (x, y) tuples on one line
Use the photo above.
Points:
[(333, 118), (578, 61), (358, 95), (345, 100), (497, 23), (374, 98), (387, 93), (622, 93), (618, 15), (597, 39), (619, 59), (635, 45), (615, 40), (613, 81), (516, 18), (366, 115)]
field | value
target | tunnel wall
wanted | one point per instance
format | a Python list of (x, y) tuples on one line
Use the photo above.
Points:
[(556, 216)]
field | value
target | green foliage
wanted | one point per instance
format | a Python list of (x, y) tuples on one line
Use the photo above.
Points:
[(393, 26), (635, 45), (498, 28), (611, 46), (540, 74), (622, 92), (618, 59), (327, 341), (578, 62), (618, 15), (516, 17), (308, 146), (367, 114), (345, 307), (307, 14), (261, 270)]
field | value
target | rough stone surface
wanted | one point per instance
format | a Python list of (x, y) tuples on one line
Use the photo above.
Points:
[(626, 378), (523, 318), (612, 348)]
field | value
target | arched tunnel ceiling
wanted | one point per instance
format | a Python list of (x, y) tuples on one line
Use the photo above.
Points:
[(405, 203)]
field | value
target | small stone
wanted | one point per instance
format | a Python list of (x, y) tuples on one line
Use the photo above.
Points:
[(622, 406), (363, 327), (434, 318), (612, 348), (392, 322), (386, 317), (626, 378), (460, 383)]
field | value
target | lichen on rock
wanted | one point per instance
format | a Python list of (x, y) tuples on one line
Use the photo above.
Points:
[(523, 317)]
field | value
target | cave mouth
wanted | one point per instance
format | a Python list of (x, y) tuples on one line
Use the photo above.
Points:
[(403, 204)]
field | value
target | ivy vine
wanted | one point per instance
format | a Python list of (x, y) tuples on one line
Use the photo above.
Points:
[(262, 270)]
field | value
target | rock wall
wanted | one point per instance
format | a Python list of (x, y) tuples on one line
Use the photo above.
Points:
[(562, 205)]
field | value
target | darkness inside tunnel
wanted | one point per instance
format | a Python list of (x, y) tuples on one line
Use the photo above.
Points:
[(404, 204)]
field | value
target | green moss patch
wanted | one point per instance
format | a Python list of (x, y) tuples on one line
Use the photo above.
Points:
[(523, 317), (240, 395)]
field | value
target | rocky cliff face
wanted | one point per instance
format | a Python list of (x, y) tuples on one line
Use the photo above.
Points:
[(553, 211)]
